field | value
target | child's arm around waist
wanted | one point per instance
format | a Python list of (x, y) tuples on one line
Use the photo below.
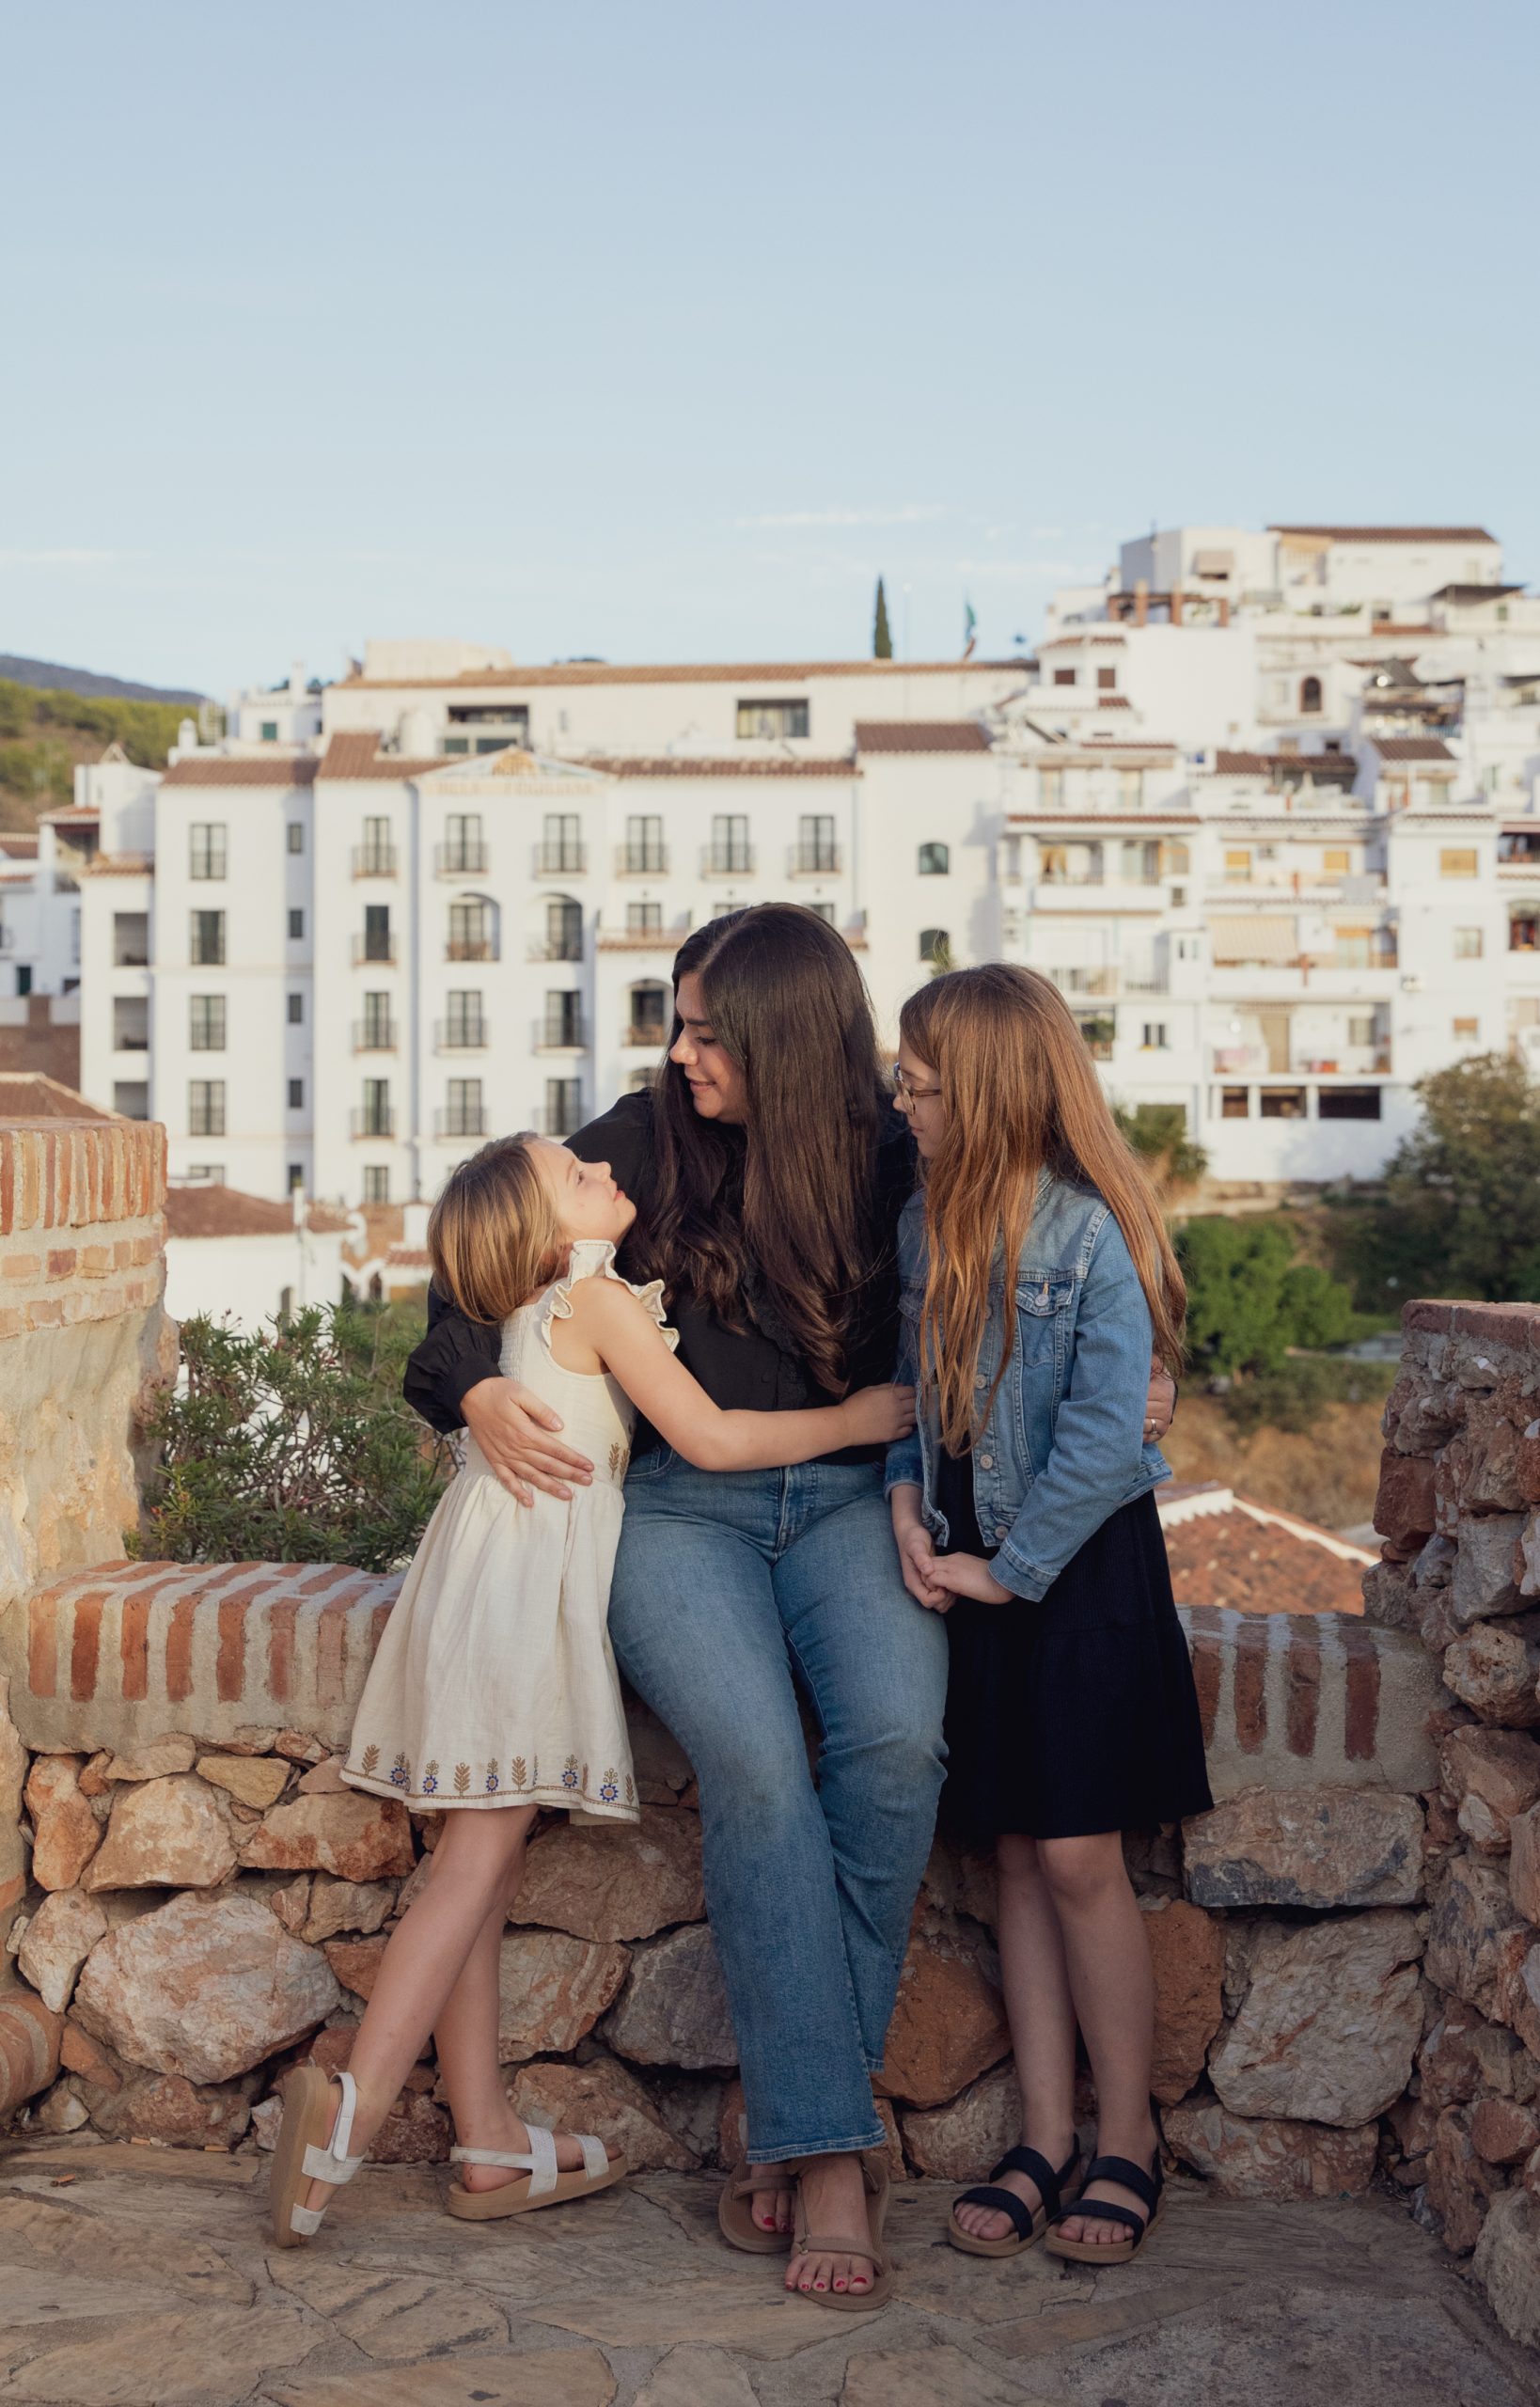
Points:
[(624, 1339), (1097, 1453)]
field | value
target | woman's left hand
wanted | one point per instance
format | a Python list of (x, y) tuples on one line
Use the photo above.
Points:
[(968, 1575), (1160, 1403)]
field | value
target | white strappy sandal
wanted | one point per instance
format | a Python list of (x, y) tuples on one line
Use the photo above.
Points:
[(303, 2153), (547, 2185)]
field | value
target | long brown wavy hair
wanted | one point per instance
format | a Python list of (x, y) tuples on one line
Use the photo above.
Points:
[(1020, 1096), (789, 1006)]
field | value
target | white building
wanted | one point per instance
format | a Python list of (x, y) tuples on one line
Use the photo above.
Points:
[(249, 1258), (1264, 806)]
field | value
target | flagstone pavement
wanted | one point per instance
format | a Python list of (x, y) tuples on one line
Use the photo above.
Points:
[(131, 2276)]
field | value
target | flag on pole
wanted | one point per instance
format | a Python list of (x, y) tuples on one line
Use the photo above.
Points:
[(971, 629)]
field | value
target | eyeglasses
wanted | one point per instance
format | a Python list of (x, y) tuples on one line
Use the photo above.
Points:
[(907, 1090)]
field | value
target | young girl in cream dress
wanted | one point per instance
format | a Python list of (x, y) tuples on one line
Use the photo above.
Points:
[(494, 1692)]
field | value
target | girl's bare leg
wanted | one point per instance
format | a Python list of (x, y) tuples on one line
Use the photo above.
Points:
[(1108, 1957), (426, 1957), (1041, 2017), (465, 2039)]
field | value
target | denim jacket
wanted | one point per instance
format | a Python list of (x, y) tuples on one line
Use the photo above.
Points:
[(1064, 1446)]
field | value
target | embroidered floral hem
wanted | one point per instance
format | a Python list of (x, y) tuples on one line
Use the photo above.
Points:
[(612, 1797)]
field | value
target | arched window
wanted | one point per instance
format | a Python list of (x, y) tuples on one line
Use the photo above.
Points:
[(935, 947), (935, 860), (1309, 694)]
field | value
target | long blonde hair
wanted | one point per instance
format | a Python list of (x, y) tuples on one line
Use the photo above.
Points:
[(493, 1238), (1020, 1096)]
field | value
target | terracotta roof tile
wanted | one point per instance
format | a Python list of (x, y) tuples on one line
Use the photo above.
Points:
[(764, 673), (1392, 534), (1339, 769), (226, 1212), (683, 764), (359, 756), (30, 1094), (920, 735), (19, 847), (287, 769), (1411, 747), (1223, 1549)]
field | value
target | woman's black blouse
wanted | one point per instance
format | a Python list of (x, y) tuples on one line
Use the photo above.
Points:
[(760, 1371)]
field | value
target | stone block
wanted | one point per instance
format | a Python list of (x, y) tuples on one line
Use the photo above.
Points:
[(207, 1986), (1466, 2056), (356, 1962), (964, 2140), (165, 1834), (674, 2008), (1313, 1847), (81, 2054), (1403, 1508), (1485, 1557), (1493, 1668), (169, 2108), (1524, 1863), (59, 1937), (1475, 1938), (353, 1834), (1520, 1999), (603, 2097), (345, 1905), (1507, 2264), (1461, 2185), (1503, 2132), (151, 1759), (1299, 1701), (64, 1831), (948, 2025), (551, 1991), (1270, 2158), (1490, 1776), (1187, 1955), (1327, 2029), (254, 1780), (615, 1880)]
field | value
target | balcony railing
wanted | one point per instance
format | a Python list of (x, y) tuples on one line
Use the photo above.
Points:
[(459, 861), (565, 947), (559, 1036), (813, 860), (641, 860), (461, 1036), (375, 860), (374, 1036), (560, 860), (560, 1120), (380, 951), (131, 1040), (726, 860), (471, 949), (465, 1120), (651, 1033), (1085, 982), (369, 1119)]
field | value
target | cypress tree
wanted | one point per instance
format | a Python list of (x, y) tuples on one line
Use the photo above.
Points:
[(882, 640)]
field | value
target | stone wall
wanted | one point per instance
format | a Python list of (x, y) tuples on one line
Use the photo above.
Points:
[(1459, 1511)]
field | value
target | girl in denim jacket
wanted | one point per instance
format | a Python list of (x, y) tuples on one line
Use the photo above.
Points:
[(1036, 1271)]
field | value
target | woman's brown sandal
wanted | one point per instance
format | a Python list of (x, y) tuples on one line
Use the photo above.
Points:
[(879, 2187), (1030, 2222), (736, 2208), (1128, 2175)]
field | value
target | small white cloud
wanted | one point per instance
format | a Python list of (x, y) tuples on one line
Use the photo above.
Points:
[(908, 513)]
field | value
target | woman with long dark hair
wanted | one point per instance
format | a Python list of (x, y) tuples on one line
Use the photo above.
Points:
[(769, 1175)]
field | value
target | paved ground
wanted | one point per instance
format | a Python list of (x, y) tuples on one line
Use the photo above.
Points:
[(136, 2277)]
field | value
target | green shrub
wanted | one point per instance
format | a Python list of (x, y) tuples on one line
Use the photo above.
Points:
[(293, 1443), (1249, 1301)]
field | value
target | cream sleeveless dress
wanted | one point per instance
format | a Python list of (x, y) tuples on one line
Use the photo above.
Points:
[(495, 1683)]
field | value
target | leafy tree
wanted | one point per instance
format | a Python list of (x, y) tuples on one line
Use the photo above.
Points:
[(1159, 1134), (1460, 1210), (1249, 1301), (882, 640), (293, 1445)]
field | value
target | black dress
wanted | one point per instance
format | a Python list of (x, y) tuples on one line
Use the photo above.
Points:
[(1077, 1714)]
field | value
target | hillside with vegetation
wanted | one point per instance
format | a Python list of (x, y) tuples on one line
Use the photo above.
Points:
[(45, 731)]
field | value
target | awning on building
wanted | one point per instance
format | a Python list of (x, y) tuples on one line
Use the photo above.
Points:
[(1259, 938)]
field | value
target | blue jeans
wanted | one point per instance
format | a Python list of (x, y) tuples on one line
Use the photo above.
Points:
[(731, 1588)]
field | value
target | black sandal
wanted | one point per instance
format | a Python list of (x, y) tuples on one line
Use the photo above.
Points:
[(1029, 2223), (1147, 2186)]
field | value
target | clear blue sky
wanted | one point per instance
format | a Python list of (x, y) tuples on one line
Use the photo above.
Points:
[(655, 329)]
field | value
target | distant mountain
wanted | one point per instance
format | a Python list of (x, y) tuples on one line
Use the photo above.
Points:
[(49, 675)]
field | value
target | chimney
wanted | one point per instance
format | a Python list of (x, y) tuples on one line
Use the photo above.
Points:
[(1141, 601)]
